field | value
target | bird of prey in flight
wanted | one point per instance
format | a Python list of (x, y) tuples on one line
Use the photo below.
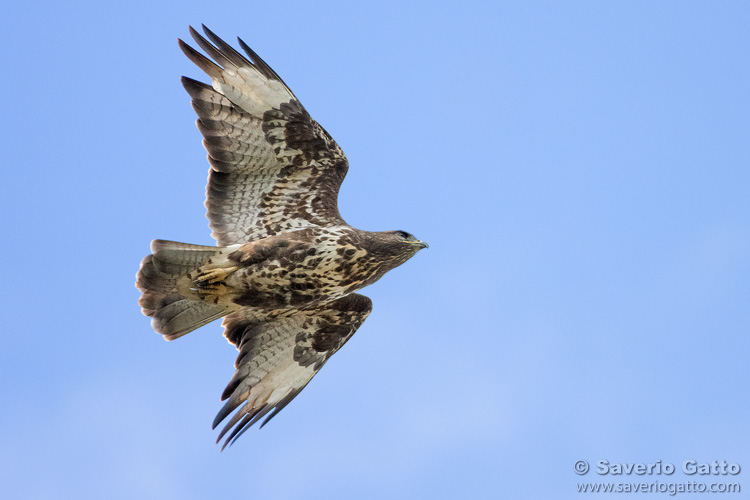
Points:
[(286, 268)]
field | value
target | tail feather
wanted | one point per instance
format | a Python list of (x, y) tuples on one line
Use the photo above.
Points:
[(179, 316), (173, 314)]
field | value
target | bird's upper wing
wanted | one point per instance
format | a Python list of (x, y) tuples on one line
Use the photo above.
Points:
[(273, 168), (279, 356)]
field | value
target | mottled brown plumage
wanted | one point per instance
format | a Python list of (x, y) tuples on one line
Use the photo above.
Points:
[(286, 267)]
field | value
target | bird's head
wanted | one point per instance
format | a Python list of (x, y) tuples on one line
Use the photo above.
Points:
[(407, 240), (399, 246)]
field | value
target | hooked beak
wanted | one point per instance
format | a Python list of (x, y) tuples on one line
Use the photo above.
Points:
[(420, 244)]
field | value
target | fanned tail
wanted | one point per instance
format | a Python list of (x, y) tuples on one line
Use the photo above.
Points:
[(172, 313)]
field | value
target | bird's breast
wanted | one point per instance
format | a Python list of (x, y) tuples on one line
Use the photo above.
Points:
[(303, 275)]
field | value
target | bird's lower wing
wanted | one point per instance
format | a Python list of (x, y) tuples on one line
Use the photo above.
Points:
[(279, 356)]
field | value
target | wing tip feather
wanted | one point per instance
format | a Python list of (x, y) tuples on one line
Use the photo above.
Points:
[(207, 65)]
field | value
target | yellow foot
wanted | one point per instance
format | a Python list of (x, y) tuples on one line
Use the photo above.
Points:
[(211, 280)]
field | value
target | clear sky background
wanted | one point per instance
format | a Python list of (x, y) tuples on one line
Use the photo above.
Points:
[(581, 170)]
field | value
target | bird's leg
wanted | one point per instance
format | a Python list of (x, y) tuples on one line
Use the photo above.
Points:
[(211, 280)]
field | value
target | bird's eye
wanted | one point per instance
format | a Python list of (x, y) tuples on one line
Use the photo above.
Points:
[(403, 235)]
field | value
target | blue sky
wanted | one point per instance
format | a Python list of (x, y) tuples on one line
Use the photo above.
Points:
[(580, 170)]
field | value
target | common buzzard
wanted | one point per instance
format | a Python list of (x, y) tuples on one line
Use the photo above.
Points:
[(286, 266)]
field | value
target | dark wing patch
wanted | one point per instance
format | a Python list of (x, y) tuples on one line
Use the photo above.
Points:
[(273, 168), (279, 356)]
